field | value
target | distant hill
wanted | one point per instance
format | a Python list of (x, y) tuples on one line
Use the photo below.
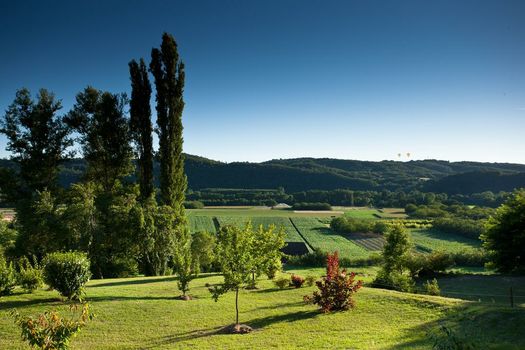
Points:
[(301, 174)]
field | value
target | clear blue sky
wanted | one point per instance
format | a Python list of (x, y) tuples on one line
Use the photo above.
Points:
[(290, 78)]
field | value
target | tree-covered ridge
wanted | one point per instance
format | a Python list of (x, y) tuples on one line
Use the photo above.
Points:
[(304, 174)]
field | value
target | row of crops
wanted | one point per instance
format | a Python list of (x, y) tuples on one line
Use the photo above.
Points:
[(316, 233)]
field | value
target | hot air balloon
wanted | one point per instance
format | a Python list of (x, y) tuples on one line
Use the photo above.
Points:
[(408, 154)]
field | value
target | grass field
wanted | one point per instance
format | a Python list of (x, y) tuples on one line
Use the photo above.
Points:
[(322, 237), (429, 240), (360, 213), (142, 313)]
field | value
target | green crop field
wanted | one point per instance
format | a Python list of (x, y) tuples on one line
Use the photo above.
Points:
[(369, 241), (201, 223), (318, 235), (278, 221), (361, 213), (429, 240), (143, 313), (258, 211)]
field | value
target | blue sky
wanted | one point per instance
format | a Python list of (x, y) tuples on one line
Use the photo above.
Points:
[(291, 78)]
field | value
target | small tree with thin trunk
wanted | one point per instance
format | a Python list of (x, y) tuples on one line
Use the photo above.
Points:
[(234, 252)]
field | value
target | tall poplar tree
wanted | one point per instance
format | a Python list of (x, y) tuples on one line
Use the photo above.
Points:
[(168, 71), (140, 125)]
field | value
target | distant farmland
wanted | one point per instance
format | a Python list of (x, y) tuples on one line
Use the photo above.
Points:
[(313, 229)]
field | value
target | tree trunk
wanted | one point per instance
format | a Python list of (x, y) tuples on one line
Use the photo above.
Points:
[(237, 306)]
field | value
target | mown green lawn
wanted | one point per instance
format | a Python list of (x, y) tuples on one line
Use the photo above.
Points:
[(142, 313)]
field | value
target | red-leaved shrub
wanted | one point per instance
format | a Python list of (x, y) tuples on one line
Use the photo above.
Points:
[(297, 281), (336, 288)]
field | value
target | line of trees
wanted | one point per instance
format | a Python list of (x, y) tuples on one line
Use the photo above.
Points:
[(122, 224)]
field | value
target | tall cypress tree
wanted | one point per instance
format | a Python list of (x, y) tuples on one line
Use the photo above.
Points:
[(168, 70), (140, 125)]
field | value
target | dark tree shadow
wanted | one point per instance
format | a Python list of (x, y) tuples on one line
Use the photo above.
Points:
[(134, 281), (175, 297), (478, 326), (145, 280), (256, 324), (179, 337), (262, 322), (11, 304)]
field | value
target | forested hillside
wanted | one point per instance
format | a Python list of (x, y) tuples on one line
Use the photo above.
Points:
[(304, 174)]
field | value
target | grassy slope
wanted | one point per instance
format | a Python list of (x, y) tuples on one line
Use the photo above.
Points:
[(142, 313)]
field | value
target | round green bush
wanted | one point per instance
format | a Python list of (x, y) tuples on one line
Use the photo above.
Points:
[(67, 273)]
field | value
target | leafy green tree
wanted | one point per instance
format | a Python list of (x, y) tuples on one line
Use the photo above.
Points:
[(267, 245), (114, 247), (140, 125), (157, 237), (168, 71), (98, 117), (183, 260), (394, 273), (396, 249), (234, 252), (40, 226), (104, 134), (38, 139), (504, 235), (7, 236), (202, 250), (80, 215)]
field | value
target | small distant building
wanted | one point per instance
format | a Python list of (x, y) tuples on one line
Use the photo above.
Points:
[(282, 206)]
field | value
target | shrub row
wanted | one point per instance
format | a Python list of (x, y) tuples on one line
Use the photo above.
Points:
[(318, 259), (343, 224), (465, 227), (312, 206)]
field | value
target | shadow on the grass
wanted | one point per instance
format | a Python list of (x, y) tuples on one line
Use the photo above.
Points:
[(12, 304), (175, 297), (145, 280), (289, 317), (256, 324), (475, 326)]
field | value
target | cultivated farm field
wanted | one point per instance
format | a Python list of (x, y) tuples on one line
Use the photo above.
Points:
[(429, 240)]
